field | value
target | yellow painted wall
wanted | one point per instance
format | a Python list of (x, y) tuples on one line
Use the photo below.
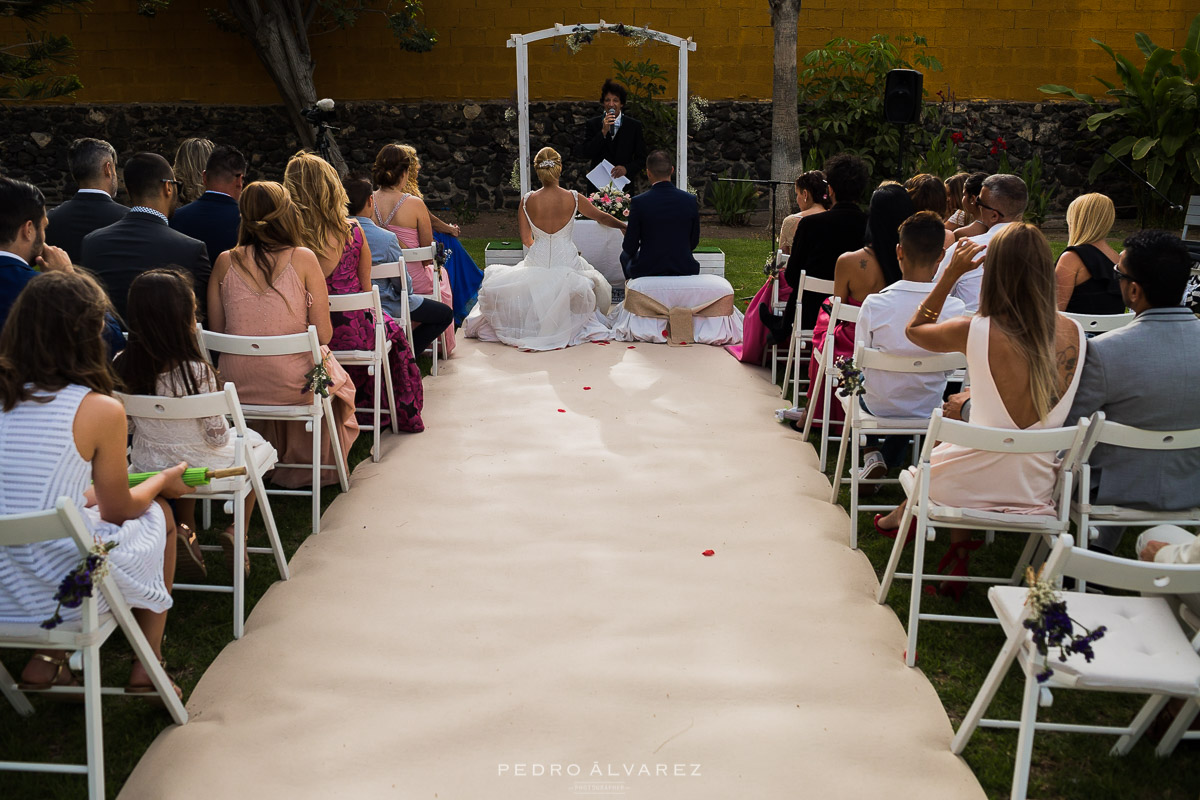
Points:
[(999, 49)]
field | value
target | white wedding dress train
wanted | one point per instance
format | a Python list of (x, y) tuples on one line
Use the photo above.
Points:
[(552, 299)]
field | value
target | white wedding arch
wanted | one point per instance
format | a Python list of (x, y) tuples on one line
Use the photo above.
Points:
[(521, 42)]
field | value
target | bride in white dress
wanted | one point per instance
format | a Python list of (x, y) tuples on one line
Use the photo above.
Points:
[(553, 298)]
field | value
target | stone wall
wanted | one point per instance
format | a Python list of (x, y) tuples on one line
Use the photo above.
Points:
[(468, 149)]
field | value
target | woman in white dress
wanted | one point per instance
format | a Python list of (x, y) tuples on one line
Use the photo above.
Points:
[(553, 298)]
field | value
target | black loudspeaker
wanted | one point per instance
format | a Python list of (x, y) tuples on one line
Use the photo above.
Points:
[(902, 96)]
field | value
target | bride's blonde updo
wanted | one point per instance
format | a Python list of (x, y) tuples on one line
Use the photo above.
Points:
[(548, 165)]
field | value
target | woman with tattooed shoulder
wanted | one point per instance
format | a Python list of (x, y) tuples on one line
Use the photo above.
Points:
[(1024, 359)]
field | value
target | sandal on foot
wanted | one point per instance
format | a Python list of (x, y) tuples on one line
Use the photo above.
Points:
[(148, 691), (189, 559), (61, 666), (957, 559), (890, 533), (227, 545)]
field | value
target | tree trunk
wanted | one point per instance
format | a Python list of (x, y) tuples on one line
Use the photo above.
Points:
[(786, 158), (278, 29)]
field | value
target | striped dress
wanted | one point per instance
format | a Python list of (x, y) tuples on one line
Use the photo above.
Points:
[(38, 464)]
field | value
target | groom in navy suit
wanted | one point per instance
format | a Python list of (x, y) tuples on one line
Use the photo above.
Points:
[(213, 217), (664, 226)]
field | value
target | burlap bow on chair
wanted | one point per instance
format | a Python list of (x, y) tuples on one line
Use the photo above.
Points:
[(679, 318)]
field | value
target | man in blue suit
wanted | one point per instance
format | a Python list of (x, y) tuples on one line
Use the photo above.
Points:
[(664, 226), (213, 218), (24, 252)]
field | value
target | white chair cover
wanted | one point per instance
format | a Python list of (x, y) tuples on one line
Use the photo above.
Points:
[(687, 291)]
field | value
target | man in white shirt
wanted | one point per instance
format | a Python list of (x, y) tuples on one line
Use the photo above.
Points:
[(881, 326), (1001, 200)]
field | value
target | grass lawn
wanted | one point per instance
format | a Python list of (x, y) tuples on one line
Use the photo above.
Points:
[(954, 657)]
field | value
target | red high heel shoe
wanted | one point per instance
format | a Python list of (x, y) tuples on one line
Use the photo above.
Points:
[(957, 558), (890, 533)]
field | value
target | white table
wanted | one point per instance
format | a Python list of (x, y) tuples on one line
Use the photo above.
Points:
[(601, 247)]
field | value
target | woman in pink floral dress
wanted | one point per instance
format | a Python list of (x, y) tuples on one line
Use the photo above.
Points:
[(345, 260)]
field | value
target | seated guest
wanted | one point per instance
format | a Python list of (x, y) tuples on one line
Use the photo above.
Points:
[(857, 275), (881, 326), (270, 285), (345, 260), (954, 202), (406, 215), (23, 245), (1087, 281), (1001, 202), (429, 317), (1144, 375), (465, 276), (1023, 358), (62, 433), (213, 217), (822, 238), (812, 196), (190, 160), (663, 226), (143, 239), (93, 165), (972, 186), (23, 223), (928, 193)]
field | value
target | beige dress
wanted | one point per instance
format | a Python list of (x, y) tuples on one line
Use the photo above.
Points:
[(1011, 482), (279, 380)]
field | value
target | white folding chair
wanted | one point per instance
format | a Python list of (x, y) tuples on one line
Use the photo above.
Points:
[(86, 634), (395, 269), (234, 489), (777, 307), (1144, 651), (1089, 517), (429, 253), (375, 360), (827, 377), (1101, 323), (801, 340), (860, 422), (929, 516), (311, 414)]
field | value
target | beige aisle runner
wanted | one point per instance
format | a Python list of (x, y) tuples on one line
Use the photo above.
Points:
[(515, 604)]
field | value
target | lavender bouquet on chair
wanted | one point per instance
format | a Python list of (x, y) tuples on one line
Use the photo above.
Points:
[(1051, 626)]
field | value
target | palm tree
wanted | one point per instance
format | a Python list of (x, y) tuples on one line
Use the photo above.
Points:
[(786, 159)]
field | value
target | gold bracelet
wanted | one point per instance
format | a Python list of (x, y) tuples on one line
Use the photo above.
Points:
[(932, 316)]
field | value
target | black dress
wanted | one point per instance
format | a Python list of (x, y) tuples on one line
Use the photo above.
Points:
[(1101, 292)]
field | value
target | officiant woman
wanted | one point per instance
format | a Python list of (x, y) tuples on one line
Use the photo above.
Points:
[(614, 135)]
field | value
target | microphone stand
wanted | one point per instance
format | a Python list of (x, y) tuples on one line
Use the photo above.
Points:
[(765, 182), (1171, 205)]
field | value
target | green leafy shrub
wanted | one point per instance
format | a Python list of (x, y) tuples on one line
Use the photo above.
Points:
[(841, 100), (941, 158), (1156, 119), (646, 82), (1040, 193), (733, 201)]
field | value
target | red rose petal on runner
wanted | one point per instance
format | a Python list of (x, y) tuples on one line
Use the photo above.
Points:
[(587, 388), (631, 347), (562, 411), (708, 553), (664, 333)]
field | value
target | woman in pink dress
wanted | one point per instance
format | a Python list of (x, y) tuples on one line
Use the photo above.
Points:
[(858, 274), (406, 216), (270, 286), (812, 195), (1024, 359), (345, 260)]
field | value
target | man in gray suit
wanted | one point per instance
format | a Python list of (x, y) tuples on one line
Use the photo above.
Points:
[(1145, 375)]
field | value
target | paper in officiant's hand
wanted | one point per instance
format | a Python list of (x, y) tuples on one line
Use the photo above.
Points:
[(601, 176)]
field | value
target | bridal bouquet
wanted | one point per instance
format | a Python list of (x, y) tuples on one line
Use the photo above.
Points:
[(611, 200)]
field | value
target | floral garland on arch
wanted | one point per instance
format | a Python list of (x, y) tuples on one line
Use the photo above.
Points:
[(581, 36), (611, 200)]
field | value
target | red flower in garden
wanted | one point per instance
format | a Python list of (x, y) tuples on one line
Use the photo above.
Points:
[(999, 145), (956, 137)]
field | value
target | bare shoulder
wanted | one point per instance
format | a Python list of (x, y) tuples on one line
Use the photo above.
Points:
[(1069, 261), (415, 202), (101, 410)]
